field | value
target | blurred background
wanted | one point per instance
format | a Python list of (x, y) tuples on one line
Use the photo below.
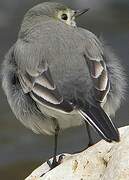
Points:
[(21, 150)]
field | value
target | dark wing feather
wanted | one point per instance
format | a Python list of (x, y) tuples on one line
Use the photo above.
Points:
[(43, 90), (97, 67)]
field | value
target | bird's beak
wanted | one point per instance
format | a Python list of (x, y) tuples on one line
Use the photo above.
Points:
[(80, 12)]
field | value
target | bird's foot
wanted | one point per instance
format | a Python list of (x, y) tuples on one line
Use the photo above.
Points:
[(55, 162), (52, 163), (90, 144)]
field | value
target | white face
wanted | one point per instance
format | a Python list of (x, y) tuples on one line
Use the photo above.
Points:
[(67, 16)]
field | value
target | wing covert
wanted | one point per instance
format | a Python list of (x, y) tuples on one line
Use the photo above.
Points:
[(95, 59), (42, 89)]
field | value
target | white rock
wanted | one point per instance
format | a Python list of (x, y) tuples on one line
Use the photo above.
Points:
[(102, 161)]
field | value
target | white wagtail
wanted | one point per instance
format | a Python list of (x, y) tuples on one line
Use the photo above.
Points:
[(58, 75)]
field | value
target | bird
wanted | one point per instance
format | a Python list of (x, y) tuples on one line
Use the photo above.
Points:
[(58, 75)]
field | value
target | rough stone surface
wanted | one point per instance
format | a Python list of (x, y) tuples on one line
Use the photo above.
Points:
[(102, 161)]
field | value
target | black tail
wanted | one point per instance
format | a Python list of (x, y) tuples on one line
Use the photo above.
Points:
[(102, 123)]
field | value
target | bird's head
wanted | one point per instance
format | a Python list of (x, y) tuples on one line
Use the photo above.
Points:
[(67, 15), (56, 11)]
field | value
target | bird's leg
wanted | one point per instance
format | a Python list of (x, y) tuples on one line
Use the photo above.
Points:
[(55, 162), (89, 135), (52, 163)]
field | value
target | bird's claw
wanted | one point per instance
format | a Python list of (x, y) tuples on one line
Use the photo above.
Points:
[(52, 163), (55, 162), (90, 144)]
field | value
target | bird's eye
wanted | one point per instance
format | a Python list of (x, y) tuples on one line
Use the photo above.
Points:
[(64, 17)]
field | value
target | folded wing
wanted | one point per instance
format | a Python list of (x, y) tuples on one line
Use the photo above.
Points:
[(95, 115), (43, 90)]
